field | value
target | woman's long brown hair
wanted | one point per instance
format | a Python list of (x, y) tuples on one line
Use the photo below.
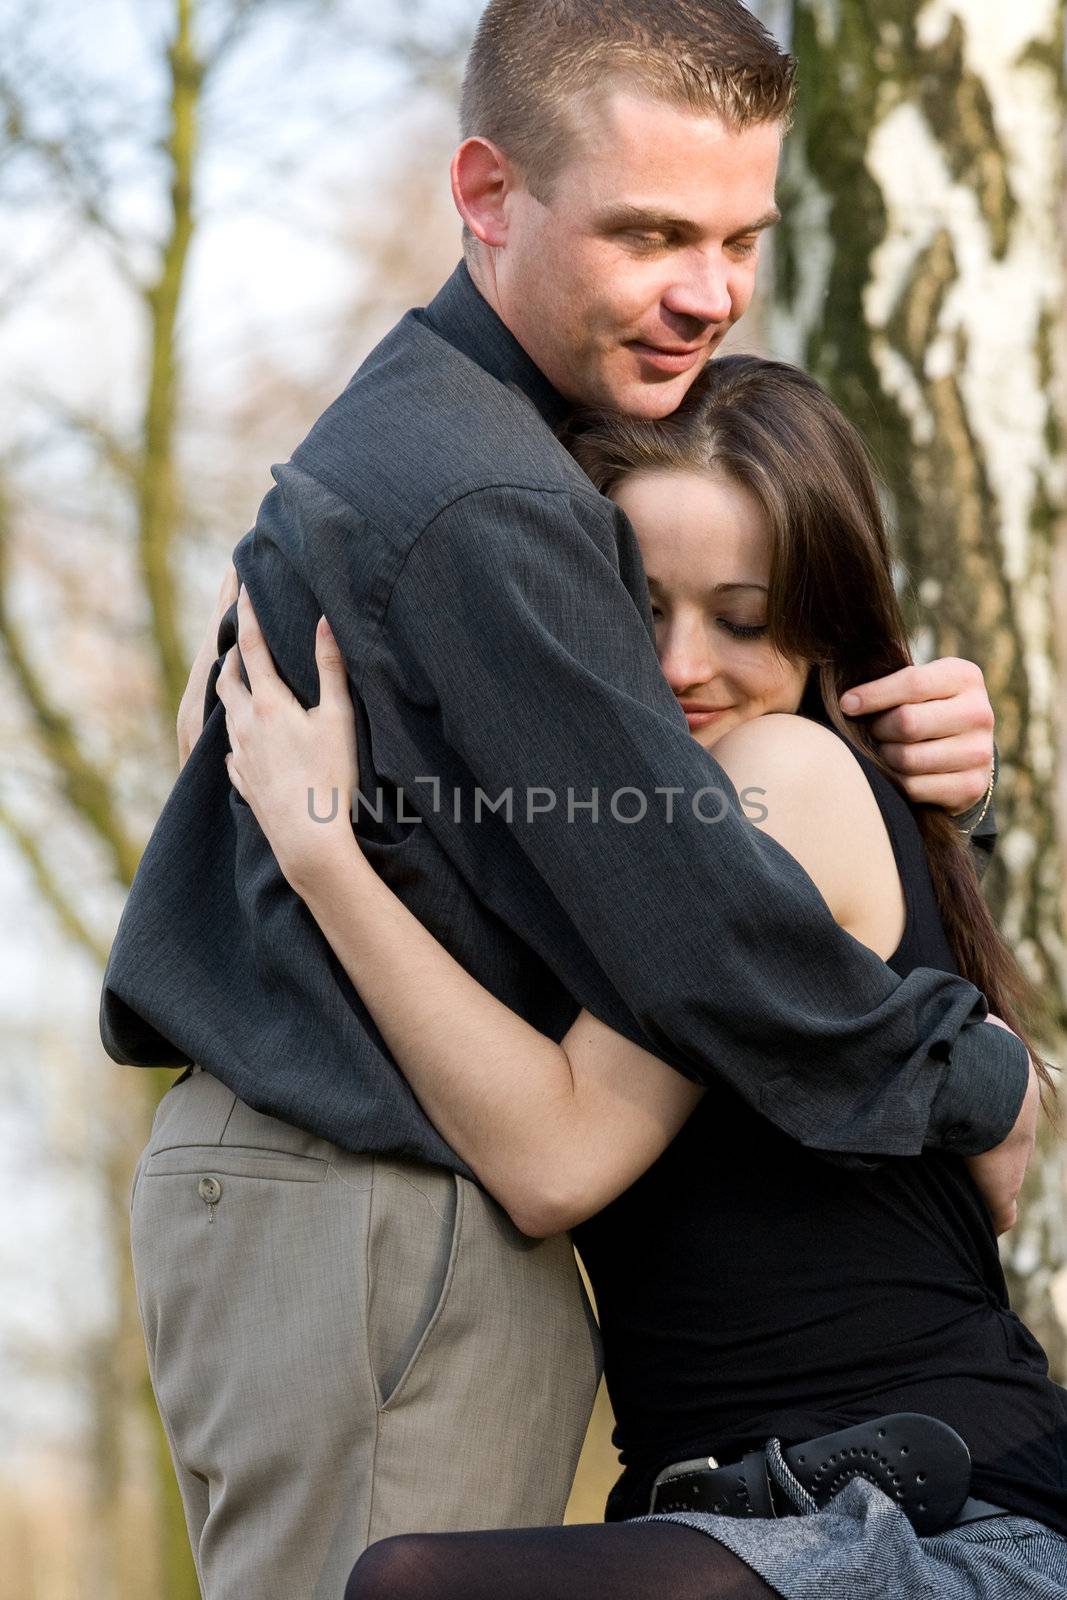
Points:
[(831, 601)]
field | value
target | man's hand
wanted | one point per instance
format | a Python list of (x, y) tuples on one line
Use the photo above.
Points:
[(999, 1173), (191, 707), (934, 726)]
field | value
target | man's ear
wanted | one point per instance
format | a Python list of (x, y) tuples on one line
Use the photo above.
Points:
[(482, 179)]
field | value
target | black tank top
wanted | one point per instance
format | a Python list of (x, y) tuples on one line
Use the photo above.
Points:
[(746, 1287)]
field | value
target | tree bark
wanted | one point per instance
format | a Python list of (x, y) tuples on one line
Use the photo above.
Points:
[(919, 276), (157, 489)]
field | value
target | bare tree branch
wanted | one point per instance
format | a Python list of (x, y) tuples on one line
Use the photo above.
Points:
[(85, 786), (71, 161), (50, 890), (120, 456), (157, 489)]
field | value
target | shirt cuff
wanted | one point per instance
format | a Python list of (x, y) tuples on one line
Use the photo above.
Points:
[(967, 821), (982, 1095)]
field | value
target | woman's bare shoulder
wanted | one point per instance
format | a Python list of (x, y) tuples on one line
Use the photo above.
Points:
[(820, 807), (801, 757)]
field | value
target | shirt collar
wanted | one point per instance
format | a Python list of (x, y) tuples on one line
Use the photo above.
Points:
[(460, 314)]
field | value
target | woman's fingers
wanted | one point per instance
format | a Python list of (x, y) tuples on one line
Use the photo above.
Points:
[(262, 673), (191, 707), (229, 685), (335, 697), (255, 652), (231, 585), (235, 698), (232, 773), (333, 674), (237, 783)]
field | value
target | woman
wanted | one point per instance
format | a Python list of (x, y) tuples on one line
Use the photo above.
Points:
[(748, 1290)]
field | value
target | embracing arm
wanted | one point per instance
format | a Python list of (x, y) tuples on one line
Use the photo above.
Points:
[(698, 937), (554, 1131), (518, 632)]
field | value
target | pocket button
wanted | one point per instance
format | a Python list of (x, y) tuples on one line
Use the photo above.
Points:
[(209, 1190)]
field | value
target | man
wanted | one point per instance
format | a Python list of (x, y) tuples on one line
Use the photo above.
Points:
[(345, 1336)]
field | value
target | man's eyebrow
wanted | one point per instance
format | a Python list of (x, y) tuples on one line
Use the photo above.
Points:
[(630, 216), (768, 220)]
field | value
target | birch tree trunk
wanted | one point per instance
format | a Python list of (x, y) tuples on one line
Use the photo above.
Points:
[(919, 275)]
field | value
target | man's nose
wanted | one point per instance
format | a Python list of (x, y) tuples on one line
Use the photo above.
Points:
[(702, 294)]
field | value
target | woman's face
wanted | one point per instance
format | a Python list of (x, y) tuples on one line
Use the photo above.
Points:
[(707, 553)]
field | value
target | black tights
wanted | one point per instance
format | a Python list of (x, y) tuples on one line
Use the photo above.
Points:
[(594, 1561)]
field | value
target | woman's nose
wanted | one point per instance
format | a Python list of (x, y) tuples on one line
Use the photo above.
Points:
[(685, 659)]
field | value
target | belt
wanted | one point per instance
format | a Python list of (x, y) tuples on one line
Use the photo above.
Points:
[(921, 1464)]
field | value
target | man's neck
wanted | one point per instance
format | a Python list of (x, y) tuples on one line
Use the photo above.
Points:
[(483, 277), (465, 314)]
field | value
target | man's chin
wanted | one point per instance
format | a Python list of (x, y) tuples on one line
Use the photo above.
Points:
[(654, 400)]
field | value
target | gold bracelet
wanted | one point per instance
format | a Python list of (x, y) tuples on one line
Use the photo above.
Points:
[(986, 803)]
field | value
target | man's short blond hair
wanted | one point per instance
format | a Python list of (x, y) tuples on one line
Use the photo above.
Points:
[(534, 64)]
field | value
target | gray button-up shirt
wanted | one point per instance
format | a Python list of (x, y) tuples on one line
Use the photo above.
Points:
[(532, 793)]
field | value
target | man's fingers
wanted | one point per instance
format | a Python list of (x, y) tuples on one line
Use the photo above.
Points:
[(963, 753), (940, 750), (954, 792), (865, 698), (968, 713), (933, 680), (999, 1189)]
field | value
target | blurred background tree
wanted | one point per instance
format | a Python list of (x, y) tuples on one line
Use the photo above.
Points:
[(215, 207), (919, 275), (124, 482)]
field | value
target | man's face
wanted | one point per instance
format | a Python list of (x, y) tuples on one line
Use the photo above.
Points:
[(624, 283)]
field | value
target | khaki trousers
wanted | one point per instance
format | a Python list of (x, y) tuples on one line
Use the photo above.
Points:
[(345, 1347)]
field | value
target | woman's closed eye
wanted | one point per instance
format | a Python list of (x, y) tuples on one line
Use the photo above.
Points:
[(736, 630), (743, 630)]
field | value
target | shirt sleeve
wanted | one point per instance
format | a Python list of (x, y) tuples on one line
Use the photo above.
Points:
[(698, 936), (981, 829)]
